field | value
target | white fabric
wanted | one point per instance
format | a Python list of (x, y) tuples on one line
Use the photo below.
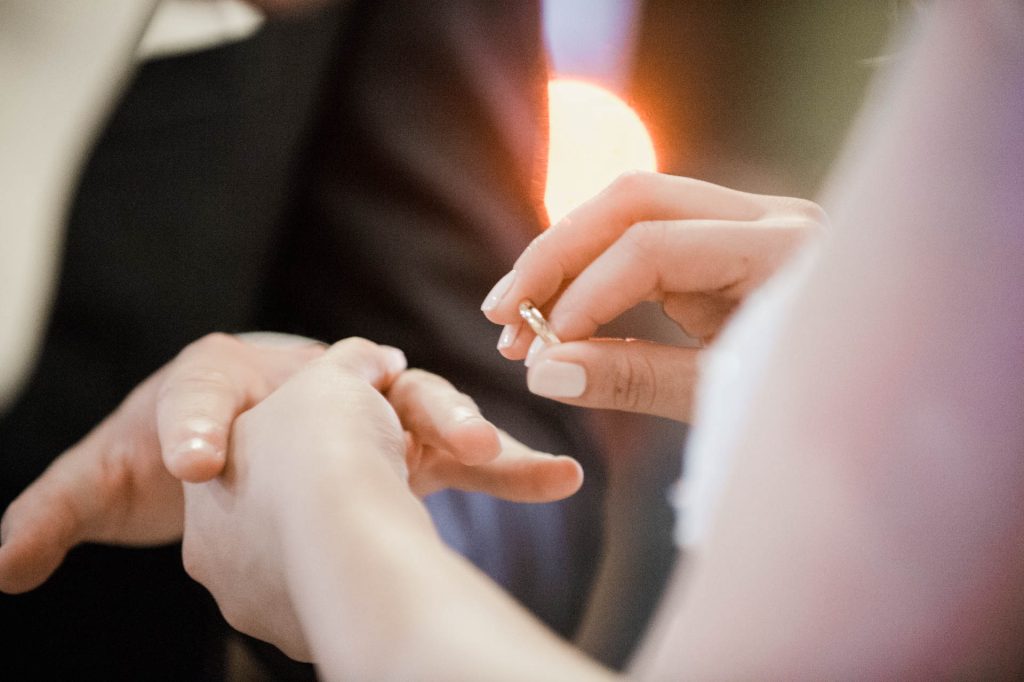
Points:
[(730, 371), (62, 63), (181, 26)]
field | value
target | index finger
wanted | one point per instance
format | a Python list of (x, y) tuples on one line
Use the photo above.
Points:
[(565, 249), (439, 415), (654, 260)]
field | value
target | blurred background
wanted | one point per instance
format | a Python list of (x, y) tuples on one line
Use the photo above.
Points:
[(758, 96), (371, 168)]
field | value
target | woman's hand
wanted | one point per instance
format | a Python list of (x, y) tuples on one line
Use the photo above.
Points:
[(450, 445), (329, 440), (120, 484), (698, 249), (293, 448)]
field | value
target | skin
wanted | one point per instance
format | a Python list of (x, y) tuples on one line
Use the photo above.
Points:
[(120, 484), (872, 525), (113, 485), (304, 570), (381, 556), (696, 248)]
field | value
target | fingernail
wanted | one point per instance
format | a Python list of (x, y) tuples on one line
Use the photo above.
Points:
[(464, 414), (509, 335), (395, 360), (195, 446), (498, 292), (201, 426), (554, 379), (535, 348)]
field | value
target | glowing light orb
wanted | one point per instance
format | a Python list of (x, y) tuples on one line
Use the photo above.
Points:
[(594, 138)]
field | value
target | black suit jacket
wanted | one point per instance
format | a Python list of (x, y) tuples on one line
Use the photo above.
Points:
[(367, 169)]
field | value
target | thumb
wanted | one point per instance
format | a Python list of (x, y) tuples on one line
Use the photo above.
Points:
[(377, 365), (629, 375), (41, 525), (208, 385)]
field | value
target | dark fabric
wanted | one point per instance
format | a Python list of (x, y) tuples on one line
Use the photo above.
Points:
[(228, 193), (757, 96), (169, 239), (426, 188)]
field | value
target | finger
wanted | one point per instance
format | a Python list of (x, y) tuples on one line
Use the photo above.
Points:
[(655, 259), (208, 385), (203, 391), (442, 417), (413, 451), (628, 375), (700, 316), (519, 474), (509, 334), (565, 249), (376, 364), (518, 347), (44, 523)]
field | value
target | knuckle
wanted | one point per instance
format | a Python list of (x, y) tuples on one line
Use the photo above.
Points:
[(358, 342), (353, 345), (574, 314), (647, 241), (198, 380), (629, 182), (215, 342), (648, 236), (634, 385)]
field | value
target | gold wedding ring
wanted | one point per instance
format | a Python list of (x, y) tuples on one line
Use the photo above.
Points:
[(529, 312)]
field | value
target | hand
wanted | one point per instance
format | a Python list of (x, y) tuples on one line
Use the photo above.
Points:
[(113, 485), (329, 433), (450, 445), (698, 249)]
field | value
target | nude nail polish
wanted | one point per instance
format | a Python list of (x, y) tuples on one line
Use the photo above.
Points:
[(498, 292), (555, 379), (535, 348), (509, 335)]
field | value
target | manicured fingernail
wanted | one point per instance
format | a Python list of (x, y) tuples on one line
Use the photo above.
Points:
[(498, 292), (509, 335), (535, 348), (554, 379)]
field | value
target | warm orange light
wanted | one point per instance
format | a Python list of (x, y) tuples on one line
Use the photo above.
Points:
[(594, 138)]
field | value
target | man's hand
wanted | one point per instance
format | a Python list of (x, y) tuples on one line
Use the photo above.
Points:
[(113, 485), (328, 437), (119, 484)]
